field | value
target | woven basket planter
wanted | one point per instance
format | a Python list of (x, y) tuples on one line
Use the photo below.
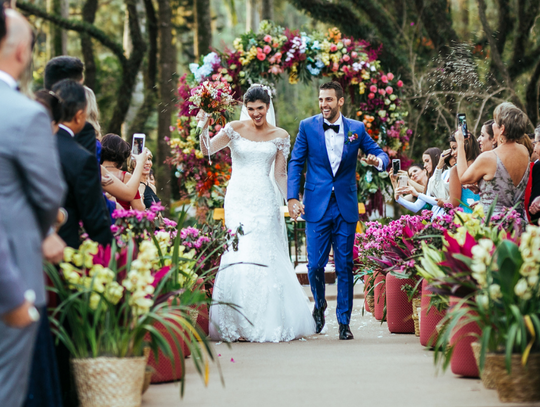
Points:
[(369, 302), (380, 297), (111, 382), (398, 307), (522, 384), (416, 305), (463, 362), (429, 318), (489, 374)]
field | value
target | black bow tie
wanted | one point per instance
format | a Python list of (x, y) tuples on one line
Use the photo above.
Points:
[(334, 127)]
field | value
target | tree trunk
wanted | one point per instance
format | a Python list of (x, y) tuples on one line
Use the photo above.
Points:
[(55, 45), (267, 10), (203, 27), (252, 15), (167, 88), (89, 15), (532, 96)]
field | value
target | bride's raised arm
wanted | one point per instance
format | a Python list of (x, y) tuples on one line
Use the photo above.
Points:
[(218, 142), (280, 167)]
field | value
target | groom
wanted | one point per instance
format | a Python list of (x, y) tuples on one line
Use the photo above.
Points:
[(330, 143)]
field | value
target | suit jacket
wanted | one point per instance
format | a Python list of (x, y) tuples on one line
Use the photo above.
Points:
[(310, 145), (31, 183), (11, 283), (87, 138), (84, 200), (535, 189)]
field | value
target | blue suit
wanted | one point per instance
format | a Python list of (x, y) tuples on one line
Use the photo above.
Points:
[(330, 217)]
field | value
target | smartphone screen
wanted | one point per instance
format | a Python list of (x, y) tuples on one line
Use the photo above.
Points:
[(138, 143), (396, 166), (462, 122)]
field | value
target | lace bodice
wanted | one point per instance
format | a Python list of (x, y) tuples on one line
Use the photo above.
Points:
[(253, 157)]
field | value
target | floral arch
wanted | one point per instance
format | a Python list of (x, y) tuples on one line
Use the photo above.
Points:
[(265, 57)]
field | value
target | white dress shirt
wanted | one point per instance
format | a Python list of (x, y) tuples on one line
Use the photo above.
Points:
[(334, 145), (7, 78), (67, 129)]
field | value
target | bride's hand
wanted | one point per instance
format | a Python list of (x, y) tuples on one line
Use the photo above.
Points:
[(295, 208)]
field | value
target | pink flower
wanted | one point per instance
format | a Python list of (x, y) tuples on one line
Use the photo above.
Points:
[(346, 58), (278, 56), (267, 38), (335, 68), (384, 79), (267, 49), (390, 76), (333, 48), (275, 69), (373, 88), (261, 56), (382, 91), (399, 84), (354, 54), (157, 207), (347, 42), (389, 90), (272, 59), (371, 95)]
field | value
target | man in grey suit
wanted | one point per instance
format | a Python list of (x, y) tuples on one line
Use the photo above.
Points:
[(31, 191)]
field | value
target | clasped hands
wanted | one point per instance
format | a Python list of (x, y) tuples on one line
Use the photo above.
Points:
[(296, 208)]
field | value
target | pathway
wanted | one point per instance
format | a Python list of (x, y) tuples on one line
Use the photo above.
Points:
[(376, 369)]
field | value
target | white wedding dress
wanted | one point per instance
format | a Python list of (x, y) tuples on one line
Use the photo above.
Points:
[(274, 305)]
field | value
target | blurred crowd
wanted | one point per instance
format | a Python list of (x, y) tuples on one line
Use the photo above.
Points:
[(60, 179), (500, 168)]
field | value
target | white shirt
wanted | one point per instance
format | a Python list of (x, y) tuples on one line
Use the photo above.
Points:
[(7, 78), (67, 129), (334, 145)]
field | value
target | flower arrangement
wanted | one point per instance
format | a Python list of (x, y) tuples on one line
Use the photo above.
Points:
[(262, 57)]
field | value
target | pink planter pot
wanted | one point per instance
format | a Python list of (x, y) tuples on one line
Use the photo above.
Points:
[(463, 362), (203, 319), (428, 320), (398, 307), (380, 296)]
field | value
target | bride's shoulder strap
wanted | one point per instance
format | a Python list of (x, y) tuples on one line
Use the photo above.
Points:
[(284, 144), (230, 132)]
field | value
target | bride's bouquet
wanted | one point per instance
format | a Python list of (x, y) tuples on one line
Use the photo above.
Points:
[(213, 99)]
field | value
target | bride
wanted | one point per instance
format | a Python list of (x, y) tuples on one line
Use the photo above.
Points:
[(273, 305)]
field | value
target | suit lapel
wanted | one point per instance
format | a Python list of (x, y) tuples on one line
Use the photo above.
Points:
[(345, 144), (322, 142)]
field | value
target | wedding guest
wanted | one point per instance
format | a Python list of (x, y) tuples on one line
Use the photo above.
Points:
[(66, 67), (417, 178), (532, 192), (84, 201), (503, 172), (115, 151), (536, 143), (31, 192), (526, 141), (146, 188), (486, 140), (458, 194)]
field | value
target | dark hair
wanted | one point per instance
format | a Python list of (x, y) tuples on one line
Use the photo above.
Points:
[(435, 154), (50, 101), (3, 29), (472, 149), (63, 67), (114, 148), (256, 93), (489, 128), (72, 96), (333, 85)]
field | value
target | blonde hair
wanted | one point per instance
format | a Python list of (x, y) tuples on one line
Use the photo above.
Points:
[(92, 111), (131, 162), (515, 122)]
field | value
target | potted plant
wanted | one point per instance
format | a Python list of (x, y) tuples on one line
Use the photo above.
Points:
[(107, 308)]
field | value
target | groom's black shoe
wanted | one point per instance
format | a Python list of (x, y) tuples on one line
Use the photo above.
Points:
[(345, 332), (318, 316)]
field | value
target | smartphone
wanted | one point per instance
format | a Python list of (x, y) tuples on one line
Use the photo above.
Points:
[(462, 122), (138, 143), (403, 181), (396, 166)]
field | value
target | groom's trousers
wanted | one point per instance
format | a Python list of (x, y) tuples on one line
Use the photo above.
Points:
[(332, 230)]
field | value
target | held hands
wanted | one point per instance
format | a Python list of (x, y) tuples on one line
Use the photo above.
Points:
[(371, 160), (295, 208)]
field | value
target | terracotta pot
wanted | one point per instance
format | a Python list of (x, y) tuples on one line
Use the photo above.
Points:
[(203, 319), (428, 318), (463, 362), (380, 296), (522, 384), (370, 300), (398, 307)]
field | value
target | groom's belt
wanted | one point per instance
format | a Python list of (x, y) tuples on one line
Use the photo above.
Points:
[(333, 194)]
